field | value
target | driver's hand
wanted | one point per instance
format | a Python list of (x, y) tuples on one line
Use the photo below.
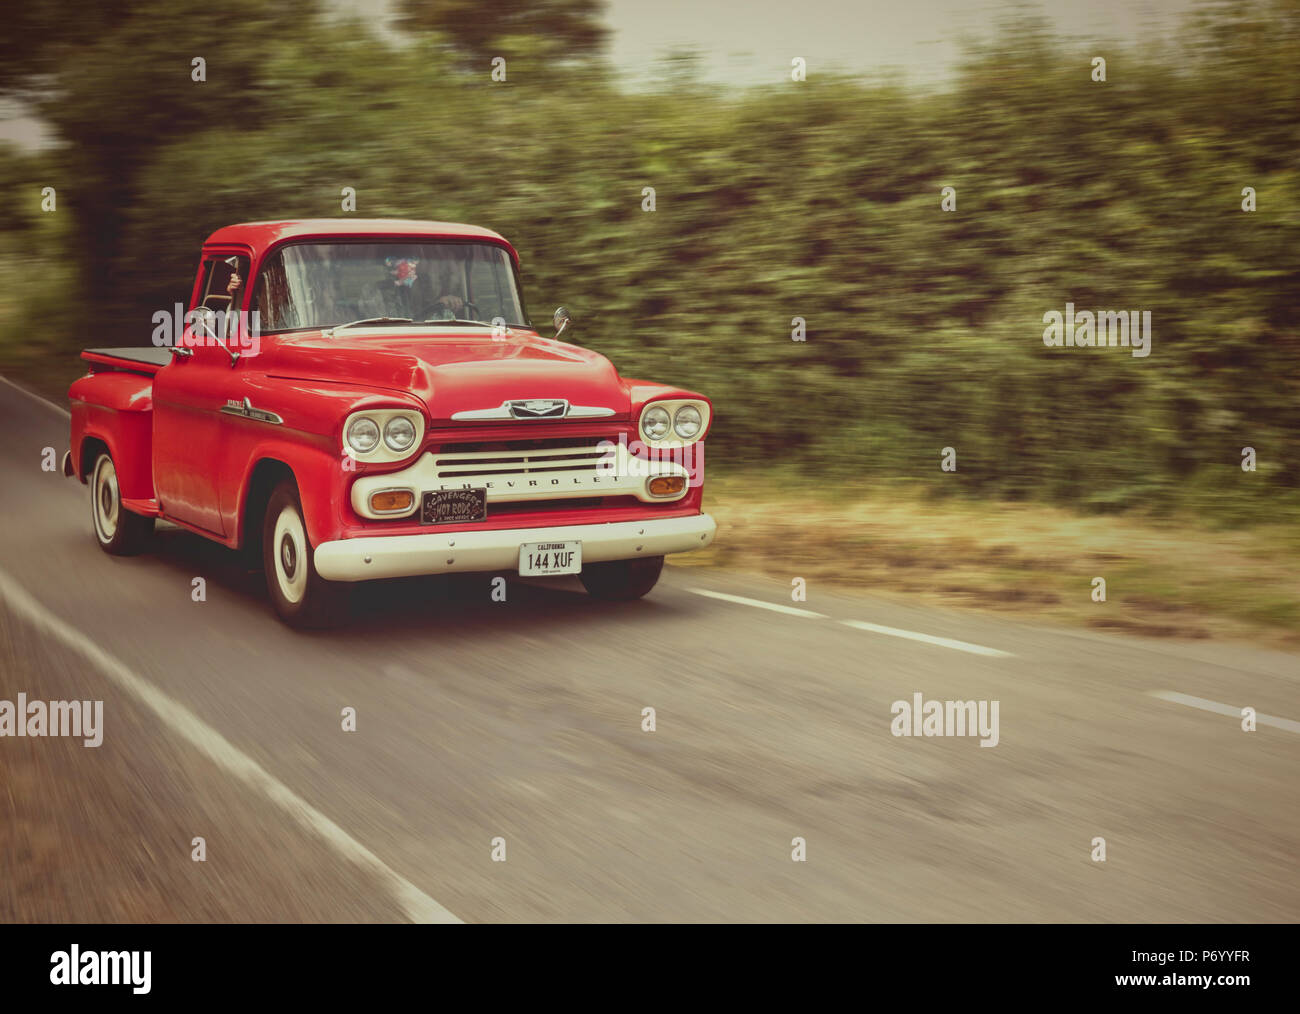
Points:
[(451, 302), (234, 283)]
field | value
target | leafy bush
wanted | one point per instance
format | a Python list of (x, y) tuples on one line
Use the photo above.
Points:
[(818, 200)]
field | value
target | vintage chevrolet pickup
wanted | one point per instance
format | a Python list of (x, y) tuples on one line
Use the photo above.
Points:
[(346, 400)]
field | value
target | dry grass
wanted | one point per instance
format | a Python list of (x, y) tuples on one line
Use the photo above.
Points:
[(1164, 577)]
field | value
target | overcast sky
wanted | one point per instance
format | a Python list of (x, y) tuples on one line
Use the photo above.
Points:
[(752, 41), (744, 42)]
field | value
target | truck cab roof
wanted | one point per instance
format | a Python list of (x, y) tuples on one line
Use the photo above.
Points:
[(259, 236)]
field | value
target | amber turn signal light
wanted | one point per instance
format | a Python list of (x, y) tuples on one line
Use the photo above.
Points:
[(390, 501), (666, 485)]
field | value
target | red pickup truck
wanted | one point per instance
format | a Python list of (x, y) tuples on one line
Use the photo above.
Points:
[(348, 400)]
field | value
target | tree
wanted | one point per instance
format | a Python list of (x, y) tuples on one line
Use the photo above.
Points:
[(482, 29), (115, 83)]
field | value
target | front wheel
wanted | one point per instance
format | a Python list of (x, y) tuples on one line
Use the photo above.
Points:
[(621, 580), (118, 531), (301, 597)]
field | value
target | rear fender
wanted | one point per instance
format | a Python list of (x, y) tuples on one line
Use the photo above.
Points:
[(115, 408)]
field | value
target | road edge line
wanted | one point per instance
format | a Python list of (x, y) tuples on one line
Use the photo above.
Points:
[(418, 906), (36, 397)]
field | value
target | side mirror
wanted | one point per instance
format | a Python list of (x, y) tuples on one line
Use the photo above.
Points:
[(562, 320), (204, 317)]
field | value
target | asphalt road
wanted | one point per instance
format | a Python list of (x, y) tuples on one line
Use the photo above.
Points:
[(522, 720)]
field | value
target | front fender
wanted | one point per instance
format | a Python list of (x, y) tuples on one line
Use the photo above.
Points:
[(322, 487), (307, 440)]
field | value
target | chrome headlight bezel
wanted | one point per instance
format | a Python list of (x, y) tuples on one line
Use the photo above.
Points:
[(381, 417), (402, 421), (656, 411), (696, 429), (359, 447), (672, 406)]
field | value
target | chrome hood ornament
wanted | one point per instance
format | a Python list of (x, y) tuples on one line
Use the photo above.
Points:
[(534, 408)]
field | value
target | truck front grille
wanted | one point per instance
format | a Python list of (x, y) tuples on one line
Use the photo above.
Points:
[(485, 461), (591, 471)]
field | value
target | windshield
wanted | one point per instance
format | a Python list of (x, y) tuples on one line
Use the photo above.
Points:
[(311, 285)]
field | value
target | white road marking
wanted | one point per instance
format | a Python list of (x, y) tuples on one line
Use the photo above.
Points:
[(942, 642), (776, 607), (417, 905), (36, 397), (875, 628), (1224, 709)]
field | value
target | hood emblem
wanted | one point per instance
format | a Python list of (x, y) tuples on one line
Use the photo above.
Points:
[(534, 408), (539, 408)]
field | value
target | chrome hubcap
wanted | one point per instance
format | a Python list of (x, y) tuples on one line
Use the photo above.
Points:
[(288, 556), (106, 500), (290, 541)]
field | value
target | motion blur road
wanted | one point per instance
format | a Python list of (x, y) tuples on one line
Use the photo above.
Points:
[(522, 720)]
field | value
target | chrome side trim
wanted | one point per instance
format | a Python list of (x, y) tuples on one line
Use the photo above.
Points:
[(245, 410), (589, 412)]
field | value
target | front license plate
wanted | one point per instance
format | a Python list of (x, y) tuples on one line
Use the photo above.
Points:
[(453, 506), (546, 559)]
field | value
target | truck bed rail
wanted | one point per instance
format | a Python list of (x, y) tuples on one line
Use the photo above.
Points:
[(147, 360)]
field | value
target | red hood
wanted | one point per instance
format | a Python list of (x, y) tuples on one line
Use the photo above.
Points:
[(452, 371)]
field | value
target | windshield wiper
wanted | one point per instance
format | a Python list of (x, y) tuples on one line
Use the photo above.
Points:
[(407, 320), (374, 320)]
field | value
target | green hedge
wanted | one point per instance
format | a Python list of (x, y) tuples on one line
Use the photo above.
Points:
[(818, 199)]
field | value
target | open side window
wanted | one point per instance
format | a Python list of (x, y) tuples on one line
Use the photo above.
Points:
[(212, 317), (217, 270)]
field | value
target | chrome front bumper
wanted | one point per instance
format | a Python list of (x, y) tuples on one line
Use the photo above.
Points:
[(434, 552)]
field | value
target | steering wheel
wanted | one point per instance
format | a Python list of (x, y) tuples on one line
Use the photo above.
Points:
[(468, 310)]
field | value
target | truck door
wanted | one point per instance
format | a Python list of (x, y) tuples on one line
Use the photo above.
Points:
[(188, 395)]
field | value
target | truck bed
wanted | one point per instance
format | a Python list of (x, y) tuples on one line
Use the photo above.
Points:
[(148, 360)]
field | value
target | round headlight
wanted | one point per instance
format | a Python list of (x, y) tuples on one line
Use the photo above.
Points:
[(687, 422), (655, 423), (363, 435), (399, 434)]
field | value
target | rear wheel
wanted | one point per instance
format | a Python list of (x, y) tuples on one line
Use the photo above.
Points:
[(301, 597), (621, 580), (117, 530)]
